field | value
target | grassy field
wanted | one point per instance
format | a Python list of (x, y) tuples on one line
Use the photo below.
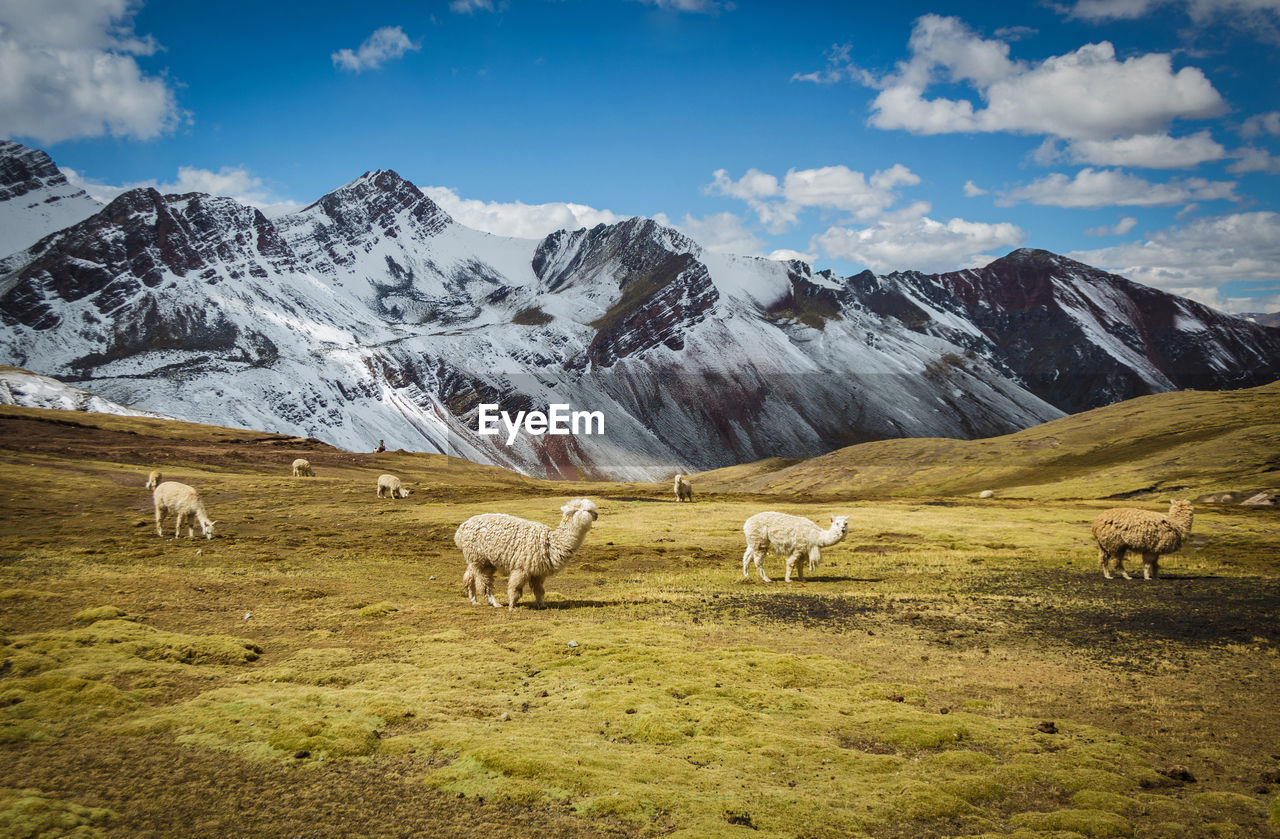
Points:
[(953, 668)]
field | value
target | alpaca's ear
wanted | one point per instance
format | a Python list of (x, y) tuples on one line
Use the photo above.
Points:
[(833, 519)]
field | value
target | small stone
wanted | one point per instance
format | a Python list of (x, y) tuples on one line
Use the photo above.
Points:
[(1047, 727), (504, 717), (302, 754), (944, 710), (896, 697), (630, 711), (432, 577), (573, 643)]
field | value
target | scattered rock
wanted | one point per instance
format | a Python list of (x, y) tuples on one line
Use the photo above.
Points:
[(944, 710), (1047, 727), (504, 717), (1178, 773), (573, 643), (743, 819), (302, 754), (896, 697), (541, 694), (432, 577), (630, 711), (986, 493), (1262, 499)]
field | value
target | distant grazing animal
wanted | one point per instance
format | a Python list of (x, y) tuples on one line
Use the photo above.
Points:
[(1124, 529), (527, 550), (682, 489), (789, 536), (182, 501), (302, 469), (391, 485), (154, 479)]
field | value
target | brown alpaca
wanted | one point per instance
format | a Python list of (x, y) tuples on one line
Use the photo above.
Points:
[(1124, 529)]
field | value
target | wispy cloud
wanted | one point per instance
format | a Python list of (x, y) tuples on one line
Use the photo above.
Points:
[(778, 203), (385, 44), (1259, 18), (910, 239), (1197, 258), (526, 221), (701, 7), (1094, 188), (469, 7), (70, 70), (1120, 228), (229, 181)]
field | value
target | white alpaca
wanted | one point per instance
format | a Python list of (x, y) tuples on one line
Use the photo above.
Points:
[(527, 551), (789, 536), (182, 501), (1123, 529), (683, 489), (302, 468), (391, 485), (154, 479)]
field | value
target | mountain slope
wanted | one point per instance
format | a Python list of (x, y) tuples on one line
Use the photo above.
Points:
[(372, 315), (1189, 442)]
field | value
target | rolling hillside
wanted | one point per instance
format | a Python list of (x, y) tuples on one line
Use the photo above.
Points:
[(1187, 442)]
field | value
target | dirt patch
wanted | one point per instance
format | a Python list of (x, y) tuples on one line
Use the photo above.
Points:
[(193, 793)]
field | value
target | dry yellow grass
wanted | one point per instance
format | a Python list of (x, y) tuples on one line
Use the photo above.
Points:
[(316, 669)]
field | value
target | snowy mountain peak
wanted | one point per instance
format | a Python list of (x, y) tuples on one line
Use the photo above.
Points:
[(35, 198)]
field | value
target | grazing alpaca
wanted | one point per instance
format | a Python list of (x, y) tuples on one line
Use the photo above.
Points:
[(392, 486), (1123, 529), (182, 501), (527, 550), (682, 489), (302, 468), (789, 536)]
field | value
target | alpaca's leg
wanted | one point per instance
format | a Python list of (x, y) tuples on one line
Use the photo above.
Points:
[(757, 551), (469, 584), (177, 529), (515, 586), (535, 583), (746, 562), (1104, 559), (792, 559), (1149, 570), (159, 531), (486, 576), (1119, 566), (815, 556)]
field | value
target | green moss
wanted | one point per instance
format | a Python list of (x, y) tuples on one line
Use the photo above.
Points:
[(1095, 824), (100, 613), (1091, 799), (378, 610), (39, 707), (31, 814)]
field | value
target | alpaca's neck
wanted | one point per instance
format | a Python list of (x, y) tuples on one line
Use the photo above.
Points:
[(830, 536), (566, 539), (1181, 518), (202, 516)]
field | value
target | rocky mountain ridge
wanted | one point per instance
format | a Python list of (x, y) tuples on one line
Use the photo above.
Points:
[(371, 314)]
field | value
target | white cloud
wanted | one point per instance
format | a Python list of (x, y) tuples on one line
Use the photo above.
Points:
[(229, 181), (972, 190), (787, 255), (467, 7), (701, 7), (1258, 17), (778, 204), (385, 44), (526, 221), (1083, 95), (1111, 187), (1251, 159), (911, 240), (68, 69), (1257, 126), (840, 67), (1120, 228), (719, 233), (1196, 259), (1151, 151)]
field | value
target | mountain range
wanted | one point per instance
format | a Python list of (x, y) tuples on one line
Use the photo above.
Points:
[(371, 315)]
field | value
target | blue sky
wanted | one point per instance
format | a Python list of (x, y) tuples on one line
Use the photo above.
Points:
[(1142, 136)]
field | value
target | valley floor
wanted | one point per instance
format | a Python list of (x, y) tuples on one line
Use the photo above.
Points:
[(953, 668)]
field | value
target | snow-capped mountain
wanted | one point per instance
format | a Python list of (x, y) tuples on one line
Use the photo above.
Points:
[(35, 198), (371, 314), (21, 387)]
